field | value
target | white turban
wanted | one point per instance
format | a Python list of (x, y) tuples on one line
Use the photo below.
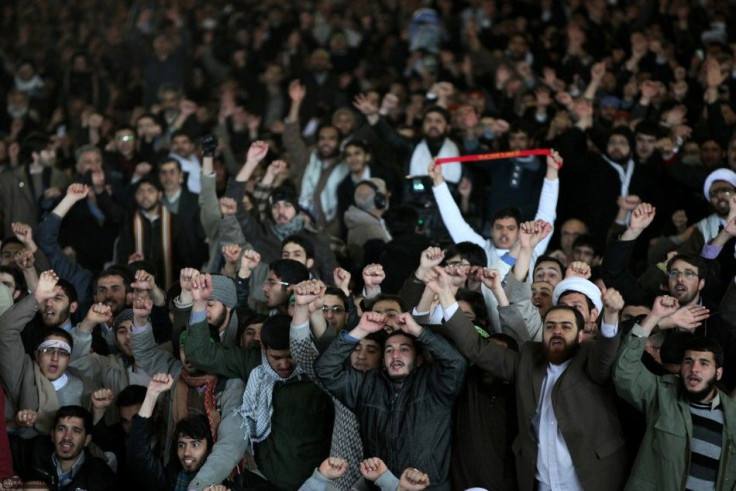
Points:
[(718, 175), (579, 285)]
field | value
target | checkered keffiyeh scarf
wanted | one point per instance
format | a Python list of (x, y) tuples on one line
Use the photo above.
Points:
[(257, 407), (346, 441)]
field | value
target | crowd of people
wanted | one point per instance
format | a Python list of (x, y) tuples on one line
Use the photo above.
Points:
[(239, 252)]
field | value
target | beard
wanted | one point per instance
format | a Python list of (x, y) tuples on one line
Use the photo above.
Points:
[(218, 322), (699, 395), (434, 143), (558, 356), (62, 318)]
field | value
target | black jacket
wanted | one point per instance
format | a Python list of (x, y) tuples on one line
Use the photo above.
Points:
[(150, 472), (32, 461), (410, 427)]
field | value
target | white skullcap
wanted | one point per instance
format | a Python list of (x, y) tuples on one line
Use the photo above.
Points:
[(579, 285), (718, 175)]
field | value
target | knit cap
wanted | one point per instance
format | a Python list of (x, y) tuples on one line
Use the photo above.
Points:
[(223, 290), (125, 315)]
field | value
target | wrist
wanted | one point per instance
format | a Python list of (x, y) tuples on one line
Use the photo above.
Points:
[(371, 290), (358, 333), (199, 305), (39, 298), (611, 317), (446, 298), (86, 326), (140, 321)]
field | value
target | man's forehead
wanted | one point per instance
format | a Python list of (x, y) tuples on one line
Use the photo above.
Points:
[(188, 439), (386, 305), (332, 300), (681, 264), (60, 291), (11, 247), (721, 184), (292, 247), (505, 221), (542, 286), (560, 315), (328, 132), (399, 340), (573, 226), (278, 353), (699, 355), (548, 265), (369, 342), (73, 421), (573, 298), (110, 280), (124, 326)]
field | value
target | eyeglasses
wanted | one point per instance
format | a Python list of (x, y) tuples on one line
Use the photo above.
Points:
[(687, 274), (456, 264), (721, 191), (61, 353), (336, 309), (271, 283)]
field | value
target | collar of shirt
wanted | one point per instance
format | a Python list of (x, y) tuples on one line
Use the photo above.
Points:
[(365, 176), (174, 198), (60, 382), (66, 477)]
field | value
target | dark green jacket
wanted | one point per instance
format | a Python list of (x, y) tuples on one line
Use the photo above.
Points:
[(663, 461), (303, 415)]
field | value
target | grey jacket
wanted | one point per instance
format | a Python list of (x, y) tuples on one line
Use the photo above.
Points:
[(230, 445)]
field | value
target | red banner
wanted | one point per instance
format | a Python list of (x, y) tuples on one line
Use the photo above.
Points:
[(495, 156)]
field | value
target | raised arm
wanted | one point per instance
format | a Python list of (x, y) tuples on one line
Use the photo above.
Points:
[(209, 210), (16, 368), (458, 228), (459, 328), (47, 236), (230, 446), (531, 235), (146, 352), (338, 377), (547, 209), (633, 381), (212, 357), (141, 460), (300, 342)]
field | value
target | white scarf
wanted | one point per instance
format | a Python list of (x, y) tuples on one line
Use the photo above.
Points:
[(257, 407), (624, 176), (312, 171), (709, 227), (421, 158)]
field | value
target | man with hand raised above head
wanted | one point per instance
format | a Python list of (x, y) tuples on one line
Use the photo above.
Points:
[(35, 389), (287, 420), (404, 410), (690, 422), (569, 433)]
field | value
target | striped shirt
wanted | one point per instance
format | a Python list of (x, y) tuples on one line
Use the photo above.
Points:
[(705, 445)]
